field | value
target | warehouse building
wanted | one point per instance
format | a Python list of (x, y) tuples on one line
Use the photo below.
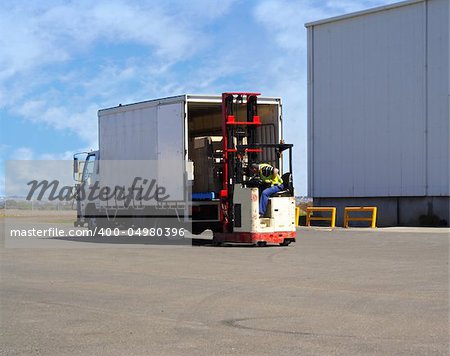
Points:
[(378, 112)]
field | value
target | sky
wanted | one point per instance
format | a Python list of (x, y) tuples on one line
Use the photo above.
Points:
[(61, 61)]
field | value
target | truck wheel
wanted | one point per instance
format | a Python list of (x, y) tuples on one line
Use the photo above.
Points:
[(93, 226), (285, 243), (261, 243)]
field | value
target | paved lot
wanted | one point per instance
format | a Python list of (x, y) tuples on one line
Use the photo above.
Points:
[(342, 292)]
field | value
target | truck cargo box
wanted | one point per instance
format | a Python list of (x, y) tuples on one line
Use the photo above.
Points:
[(173, 130)]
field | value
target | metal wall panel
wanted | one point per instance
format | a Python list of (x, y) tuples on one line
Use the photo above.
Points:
[(369, 99), (128, 135), (438, 98)]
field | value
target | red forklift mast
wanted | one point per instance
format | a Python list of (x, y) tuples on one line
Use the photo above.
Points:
[(234, 132)]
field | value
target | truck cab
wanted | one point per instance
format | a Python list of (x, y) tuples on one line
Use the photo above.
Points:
[(85, 173)]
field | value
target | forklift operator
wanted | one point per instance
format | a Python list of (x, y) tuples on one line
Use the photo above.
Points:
[(268, 175)]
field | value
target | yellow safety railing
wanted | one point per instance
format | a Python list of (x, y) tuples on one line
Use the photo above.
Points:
[(297, 216), (310, 210), (372, 219)]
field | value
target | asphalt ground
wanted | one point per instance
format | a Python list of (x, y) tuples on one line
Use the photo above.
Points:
[(355, 291)]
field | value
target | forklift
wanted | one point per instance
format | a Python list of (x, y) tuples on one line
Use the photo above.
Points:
[(240, 193)]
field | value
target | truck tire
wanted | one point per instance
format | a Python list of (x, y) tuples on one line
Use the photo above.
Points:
[(93, 226)]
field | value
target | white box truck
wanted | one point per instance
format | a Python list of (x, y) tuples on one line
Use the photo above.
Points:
[(184, 133)]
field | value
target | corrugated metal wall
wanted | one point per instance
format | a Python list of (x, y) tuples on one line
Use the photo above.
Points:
[(438, 76), (379, 103)]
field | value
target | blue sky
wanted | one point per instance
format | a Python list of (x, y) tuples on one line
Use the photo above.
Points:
[(61, 61)]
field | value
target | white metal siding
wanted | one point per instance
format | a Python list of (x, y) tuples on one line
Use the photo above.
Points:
[(369, 92), (438, 98), (129, 135)]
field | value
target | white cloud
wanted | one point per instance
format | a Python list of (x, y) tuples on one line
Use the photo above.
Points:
[(62, 156), (82, 123), (37, 35), (3, 149), (34, 34), (27, 154), (22, 153)]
